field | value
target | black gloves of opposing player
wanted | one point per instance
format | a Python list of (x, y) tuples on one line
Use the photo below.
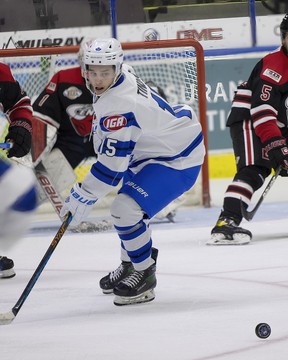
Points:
[(277, 152), (19, 134)]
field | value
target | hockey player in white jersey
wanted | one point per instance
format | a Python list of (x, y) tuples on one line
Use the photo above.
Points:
[(18, 202), (156, 150), (14, 182)]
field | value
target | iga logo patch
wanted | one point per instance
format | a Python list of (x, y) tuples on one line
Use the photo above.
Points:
[(113, 123)]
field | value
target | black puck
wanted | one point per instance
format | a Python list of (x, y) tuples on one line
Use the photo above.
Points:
[(263, 330)]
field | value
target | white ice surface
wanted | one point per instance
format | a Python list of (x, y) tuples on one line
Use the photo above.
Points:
[(208, 299)]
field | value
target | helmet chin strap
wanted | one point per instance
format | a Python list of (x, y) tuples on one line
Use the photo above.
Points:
[(88, 85), (92, 90)]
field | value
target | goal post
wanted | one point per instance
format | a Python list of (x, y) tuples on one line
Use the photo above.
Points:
[(189, 55), (177, 66)]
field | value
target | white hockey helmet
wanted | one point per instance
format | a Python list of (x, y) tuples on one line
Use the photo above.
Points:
[(104, 52)]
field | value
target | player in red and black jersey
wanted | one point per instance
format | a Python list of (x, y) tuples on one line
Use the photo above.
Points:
[(65, 105), (258, 128), (17, 106)]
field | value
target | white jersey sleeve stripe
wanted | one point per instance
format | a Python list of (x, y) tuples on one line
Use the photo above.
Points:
[(198, 140), (108, 176)]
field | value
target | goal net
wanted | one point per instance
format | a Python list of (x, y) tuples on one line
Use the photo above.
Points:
[(177, 66)]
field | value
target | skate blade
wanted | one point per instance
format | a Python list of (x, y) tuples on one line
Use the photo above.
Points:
[(219, 239), (7, 274), (147, 296), (107, 292)]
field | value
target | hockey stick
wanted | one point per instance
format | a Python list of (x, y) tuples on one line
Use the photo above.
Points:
[(44, 181), (248, 215), (56, 201), (8, 317), (51, 192)]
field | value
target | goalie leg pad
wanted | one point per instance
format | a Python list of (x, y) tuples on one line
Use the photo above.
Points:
[(59, 169), (60, 174)]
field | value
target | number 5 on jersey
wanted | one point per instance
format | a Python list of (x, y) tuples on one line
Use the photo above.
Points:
[(108, 147)]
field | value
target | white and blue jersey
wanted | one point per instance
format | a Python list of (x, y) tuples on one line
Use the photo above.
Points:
[(134, 128), (18, 201), (17, 188)]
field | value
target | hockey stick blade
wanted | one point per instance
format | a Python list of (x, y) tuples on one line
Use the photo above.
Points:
[(248, 215), (8, 317)]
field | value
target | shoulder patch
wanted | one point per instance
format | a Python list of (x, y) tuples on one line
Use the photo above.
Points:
[(115, 122), (51, 86), (272, 75), (72, 93)]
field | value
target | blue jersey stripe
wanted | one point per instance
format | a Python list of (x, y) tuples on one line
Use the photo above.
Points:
[(122, 148), (119, 81), (183, 112), (183, 153), (102, 173)]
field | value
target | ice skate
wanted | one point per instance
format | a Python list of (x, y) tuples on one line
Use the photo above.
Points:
[(226, 232), (6, 268), (108, 282), (136, 288)]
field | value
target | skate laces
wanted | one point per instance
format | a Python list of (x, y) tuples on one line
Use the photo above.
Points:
[(116, 274), (133, 279)]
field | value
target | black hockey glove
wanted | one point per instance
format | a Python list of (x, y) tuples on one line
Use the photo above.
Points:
[(19, 134), (277, 152)]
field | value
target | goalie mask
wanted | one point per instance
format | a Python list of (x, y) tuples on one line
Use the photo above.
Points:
[(104, 52)]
